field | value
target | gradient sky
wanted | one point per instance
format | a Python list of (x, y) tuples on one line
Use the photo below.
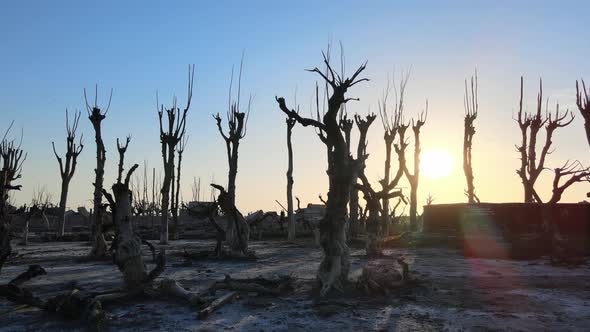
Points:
[(51, 50)]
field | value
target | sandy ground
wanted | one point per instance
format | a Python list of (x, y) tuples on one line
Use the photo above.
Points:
[(455, 293)]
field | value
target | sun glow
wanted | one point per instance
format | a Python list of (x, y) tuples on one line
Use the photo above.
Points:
[(436, 163)]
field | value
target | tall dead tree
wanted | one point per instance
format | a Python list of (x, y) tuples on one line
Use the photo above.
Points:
[(471, 108), (176, 189), (170, 136), (290, 215), (583, 103), (237, 121), (342, 169), (67, 169), (529, 125), (12, 158), (393, 125), (414, 179), (95, 115), (576, 173)]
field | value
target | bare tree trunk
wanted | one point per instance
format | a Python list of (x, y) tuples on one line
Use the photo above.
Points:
[(290, 215), (168, 174), (176, 231), (5, 239), (471, 109), (62, 208), (414, 179), (99, 245), (385, 220), (583, 103)]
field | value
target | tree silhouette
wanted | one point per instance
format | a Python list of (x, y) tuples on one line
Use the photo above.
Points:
[(583, 103), (529, 125), (237, 231), (12, 158), (67, 169), (96, 116), (342, 169), (170, 136), (471, 108)]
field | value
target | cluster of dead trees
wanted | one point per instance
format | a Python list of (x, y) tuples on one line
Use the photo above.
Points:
[(346, 173), (345, 216)]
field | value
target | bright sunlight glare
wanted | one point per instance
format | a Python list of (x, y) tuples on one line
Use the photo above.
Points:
[(436, 163)]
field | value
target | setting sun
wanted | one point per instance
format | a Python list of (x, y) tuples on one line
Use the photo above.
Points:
[(436, 163)]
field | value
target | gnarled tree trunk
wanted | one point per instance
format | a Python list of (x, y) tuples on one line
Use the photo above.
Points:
[(127, 246), (342, 169)]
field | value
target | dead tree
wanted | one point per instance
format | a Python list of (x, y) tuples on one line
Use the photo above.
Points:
[(290, 216), (471, 108), (363, 128), (127, 247), (393, 125), (414, 179), (237, 121), (529, 125), (583, 103), (238, 241), (577, 173), (170, 136), (373, 199), (346, 126), (39, 203), (67, 169), (176, 190), (95, 115), (12, 158), (342, 169)]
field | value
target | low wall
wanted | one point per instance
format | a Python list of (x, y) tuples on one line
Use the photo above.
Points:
[(509, 228)]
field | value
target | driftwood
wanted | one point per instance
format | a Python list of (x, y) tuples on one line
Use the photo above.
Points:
[(218, 303)]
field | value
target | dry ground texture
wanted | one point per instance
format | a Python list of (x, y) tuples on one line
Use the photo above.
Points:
[(453, 293)]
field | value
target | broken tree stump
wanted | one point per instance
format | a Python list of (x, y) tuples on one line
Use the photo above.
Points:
[(382, 277)]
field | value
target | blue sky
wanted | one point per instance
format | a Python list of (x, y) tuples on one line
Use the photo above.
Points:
[(52, 50)]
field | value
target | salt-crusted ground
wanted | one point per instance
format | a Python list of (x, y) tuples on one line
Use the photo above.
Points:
[(455, 293)]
